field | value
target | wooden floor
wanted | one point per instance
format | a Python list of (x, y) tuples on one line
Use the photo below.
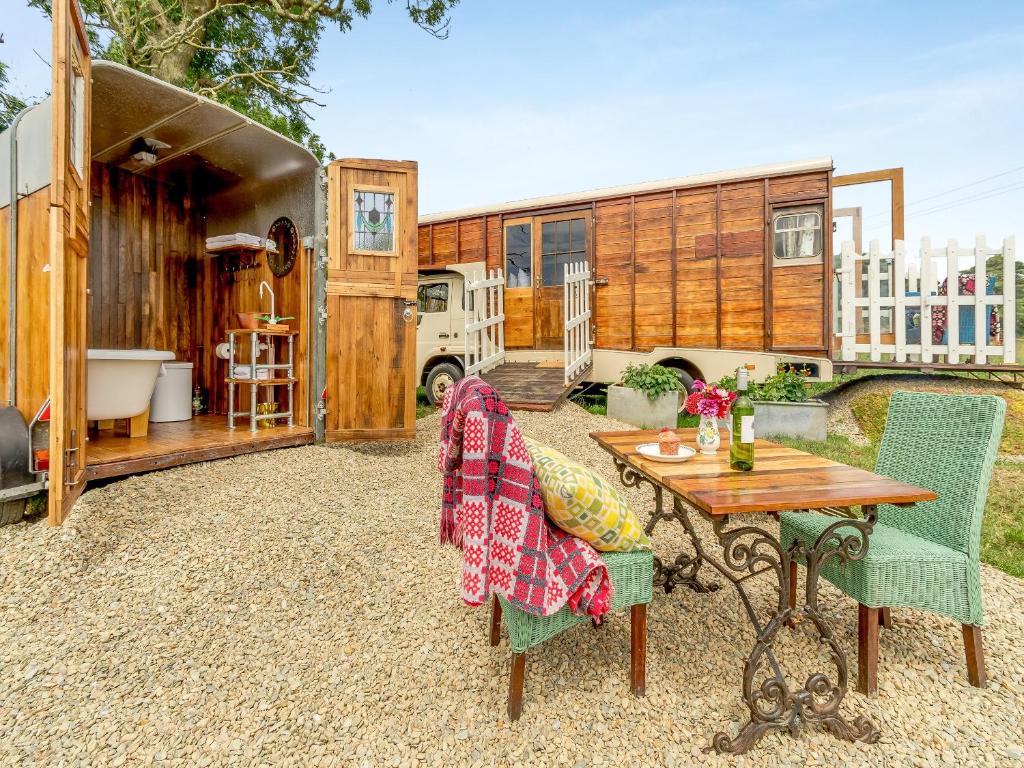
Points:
[(174, 443), (529, 386)]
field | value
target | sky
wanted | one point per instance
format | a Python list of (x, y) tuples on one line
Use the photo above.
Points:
[(533, 98)]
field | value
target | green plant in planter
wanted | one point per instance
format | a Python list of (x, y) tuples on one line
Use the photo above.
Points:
[(653, 380), (788, 385)]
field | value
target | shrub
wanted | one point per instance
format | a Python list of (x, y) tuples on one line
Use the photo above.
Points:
[(653, 380), (788, 385)]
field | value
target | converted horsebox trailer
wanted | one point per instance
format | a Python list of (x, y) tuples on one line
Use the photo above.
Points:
[(142, 230), (702, 273)]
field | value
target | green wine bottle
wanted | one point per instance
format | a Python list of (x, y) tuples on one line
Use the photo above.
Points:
[(741, 450)]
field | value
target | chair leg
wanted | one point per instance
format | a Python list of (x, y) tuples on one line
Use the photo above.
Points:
[(515, 686), (975, 656), (638, 649), (867, 650), (885, 617), (495, 620)]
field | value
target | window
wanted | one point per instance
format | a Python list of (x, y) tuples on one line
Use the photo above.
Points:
[(77, 108), (432, 297), (798, 233), (374, 220), (518, 255), (561, 242)]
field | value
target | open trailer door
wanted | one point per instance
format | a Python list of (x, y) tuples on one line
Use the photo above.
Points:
[(371, 300), (69, 251)]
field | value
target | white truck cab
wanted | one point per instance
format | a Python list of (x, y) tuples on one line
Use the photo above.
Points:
[(440, 330)]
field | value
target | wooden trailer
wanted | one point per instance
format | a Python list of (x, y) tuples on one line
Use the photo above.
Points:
[(118, 180), (733, 261)]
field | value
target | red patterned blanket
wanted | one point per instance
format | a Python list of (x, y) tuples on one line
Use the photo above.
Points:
[(492, 508)]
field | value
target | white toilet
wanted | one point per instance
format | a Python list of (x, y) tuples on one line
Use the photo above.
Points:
[(172, 398)]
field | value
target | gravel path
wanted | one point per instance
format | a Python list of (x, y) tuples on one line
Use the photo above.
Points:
[(293, 608)]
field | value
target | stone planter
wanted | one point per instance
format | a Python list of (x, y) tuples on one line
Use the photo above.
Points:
[(806, 421), (634, 407)]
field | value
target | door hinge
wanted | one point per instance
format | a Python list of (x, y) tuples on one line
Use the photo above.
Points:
[(322, 315), (321, 410)]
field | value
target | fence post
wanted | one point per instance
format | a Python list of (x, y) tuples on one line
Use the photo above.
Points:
[(927, 282), (899, 319), (952, 304), (501, 310), (1009, 302), (849, 317), (874, 311), (981, 308)]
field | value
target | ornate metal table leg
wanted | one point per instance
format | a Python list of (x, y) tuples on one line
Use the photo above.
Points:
[(773, 702), (683, 570)]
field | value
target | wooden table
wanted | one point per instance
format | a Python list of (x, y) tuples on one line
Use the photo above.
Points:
[(783, 479)]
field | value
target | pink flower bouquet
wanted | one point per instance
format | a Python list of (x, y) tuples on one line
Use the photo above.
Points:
[(709, 400)]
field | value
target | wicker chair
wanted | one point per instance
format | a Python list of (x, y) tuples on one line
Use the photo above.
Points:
[(632, 575), (925, 556)]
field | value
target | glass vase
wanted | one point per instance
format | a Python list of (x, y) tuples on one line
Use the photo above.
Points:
[(708, 437)]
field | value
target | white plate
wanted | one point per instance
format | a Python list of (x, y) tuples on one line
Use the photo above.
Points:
[(651, 451)]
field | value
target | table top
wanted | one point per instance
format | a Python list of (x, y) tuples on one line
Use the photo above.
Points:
[(782, 479)]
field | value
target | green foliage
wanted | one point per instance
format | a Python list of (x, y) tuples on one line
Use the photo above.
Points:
[(256, 57), (10, 104), (994, 266), (788, 385), (423, 406), (653, 380)]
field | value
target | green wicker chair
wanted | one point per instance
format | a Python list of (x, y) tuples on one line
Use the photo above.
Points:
[(631, 573), (925, 556)]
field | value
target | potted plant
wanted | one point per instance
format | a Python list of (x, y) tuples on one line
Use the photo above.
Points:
[(648, 396), (782, 406)]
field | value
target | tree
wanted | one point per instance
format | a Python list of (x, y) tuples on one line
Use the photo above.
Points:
[(10, 104), (255, 56)]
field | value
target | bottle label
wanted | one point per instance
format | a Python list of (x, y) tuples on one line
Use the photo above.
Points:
[(746, 429)]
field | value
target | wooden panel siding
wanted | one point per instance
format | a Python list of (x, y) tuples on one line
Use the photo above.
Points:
[(685, 266), (145, 238)]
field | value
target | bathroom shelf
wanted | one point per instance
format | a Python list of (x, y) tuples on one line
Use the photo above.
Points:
[(253, 336)]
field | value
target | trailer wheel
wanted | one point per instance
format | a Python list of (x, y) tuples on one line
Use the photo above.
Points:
[(684, 377), (440, 378), (12, 511)]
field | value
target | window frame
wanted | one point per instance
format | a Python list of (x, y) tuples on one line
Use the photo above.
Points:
[(447, 299), (785, 211), (518, 222), (353, 189)]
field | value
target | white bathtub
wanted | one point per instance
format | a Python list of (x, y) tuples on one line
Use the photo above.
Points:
[(120, 382)]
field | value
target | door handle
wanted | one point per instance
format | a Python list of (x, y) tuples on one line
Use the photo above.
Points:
[(443, 335), (600, 281)]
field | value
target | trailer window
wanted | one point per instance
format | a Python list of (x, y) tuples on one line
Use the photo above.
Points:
[(518, 255), (561, 242), (798, 233), (432, 297), (374, 217)]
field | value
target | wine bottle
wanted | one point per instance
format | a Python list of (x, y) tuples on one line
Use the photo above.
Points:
[(741, 450)]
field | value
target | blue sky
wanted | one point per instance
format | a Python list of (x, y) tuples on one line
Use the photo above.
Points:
[(531, 98)]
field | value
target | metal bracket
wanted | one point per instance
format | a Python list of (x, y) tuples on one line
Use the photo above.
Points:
[(322, 315)]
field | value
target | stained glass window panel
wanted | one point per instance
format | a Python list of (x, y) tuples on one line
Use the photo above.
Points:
[(374, 220)]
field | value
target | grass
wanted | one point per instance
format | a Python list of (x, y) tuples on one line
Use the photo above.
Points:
[(1002, 531), (423, 406)]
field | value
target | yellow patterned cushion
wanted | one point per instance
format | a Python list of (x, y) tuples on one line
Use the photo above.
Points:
[(584, 504)]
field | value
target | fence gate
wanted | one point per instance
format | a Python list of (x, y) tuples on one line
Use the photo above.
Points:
[(578, 354), (485, 321), (943, 304)]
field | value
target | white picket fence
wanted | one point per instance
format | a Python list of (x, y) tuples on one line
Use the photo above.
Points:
[(576, 305), (485, 321), (902, 280)]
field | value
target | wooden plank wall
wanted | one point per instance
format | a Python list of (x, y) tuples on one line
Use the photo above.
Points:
[(33, 331), (689, 267), (145, 239)]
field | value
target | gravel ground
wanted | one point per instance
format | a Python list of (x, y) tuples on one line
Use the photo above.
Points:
[(841, 420), (293, 608)]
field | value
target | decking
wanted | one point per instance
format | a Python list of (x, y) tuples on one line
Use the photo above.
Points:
[(530, 386), (172, 444)]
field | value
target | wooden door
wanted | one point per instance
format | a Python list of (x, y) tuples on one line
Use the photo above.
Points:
[(371, 300), (799, 258), (559, 239), (69, 250), (517, 245)]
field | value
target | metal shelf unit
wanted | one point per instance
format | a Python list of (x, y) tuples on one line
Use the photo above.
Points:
[(287, 380)]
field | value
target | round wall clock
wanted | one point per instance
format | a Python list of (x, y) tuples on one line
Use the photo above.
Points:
[(285, 236)]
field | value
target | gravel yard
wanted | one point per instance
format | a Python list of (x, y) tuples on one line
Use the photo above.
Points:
[(294, 608)]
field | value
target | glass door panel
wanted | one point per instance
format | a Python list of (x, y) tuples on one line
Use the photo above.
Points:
[(562, 239)]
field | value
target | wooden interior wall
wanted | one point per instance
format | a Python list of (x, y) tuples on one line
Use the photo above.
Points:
[(145, 239), (33, 327), (798, 293), (687, 268), (371, 343)]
